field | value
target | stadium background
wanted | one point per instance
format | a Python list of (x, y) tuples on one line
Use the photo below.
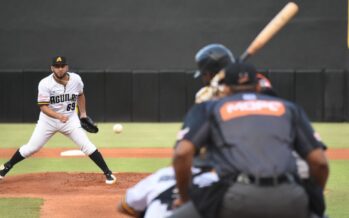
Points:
[(137, 57)]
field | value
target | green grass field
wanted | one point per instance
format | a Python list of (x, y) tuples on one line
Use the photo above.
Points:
[(20, 207), (335, 135), (135, 135)]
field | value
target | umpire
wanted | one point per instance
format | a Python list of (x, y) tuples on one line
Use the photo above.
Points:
[(251, 137)]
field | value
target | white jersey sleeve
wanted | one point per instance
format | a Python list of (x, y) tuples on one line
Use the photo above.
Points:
[(139, 196), (43, 93), (144, 196), (205, 179), (136, 197)]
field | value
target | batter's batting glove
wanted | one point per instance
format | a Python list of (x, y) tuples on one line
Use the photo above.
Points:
[(88, 125), (204, 94)]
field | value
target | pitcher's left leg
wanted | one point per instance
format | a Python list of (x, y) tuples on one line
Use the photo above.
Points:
[(80, 138)]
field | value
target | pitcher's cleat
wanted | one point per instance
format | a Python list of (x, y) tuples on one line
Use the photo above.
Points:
[(3, 171), (110, 179)]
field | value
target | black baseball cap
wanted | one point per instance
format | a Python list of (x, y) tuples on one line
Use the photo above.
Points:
[(240, 74), (59, 61)]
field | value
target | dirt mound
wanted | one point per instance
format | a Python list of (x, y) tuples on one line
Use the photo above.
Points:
[(107, 152), (71, 194)]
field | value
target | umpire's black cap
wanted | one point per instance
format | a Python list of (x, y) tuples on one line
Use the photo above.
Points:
[(59, 61), (240, 74)]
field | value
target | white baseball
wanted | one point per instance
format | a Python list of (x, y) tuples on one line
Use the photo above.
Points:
[(117, 128)]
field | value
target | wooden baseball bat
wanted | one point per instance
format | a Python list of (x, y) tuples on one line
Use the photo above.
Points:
[(274, 26)]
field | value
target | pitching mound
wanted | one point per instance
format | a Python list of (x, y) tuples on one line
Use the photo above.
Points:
[(71, 194)]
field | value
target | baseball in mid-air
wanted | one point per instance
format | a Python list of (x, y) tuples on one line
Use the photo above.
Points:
[(117, 128)]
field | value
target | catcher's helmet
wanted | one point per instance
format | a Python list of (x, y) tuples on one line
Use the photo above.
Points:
[(213, 58)]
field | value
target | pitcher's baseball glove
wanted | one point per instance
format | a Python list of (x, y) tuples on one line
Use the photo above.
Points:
[(88, 125)]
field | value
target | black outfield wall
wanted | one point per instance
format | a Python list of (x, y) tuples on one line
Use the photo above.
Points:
[(165, 34), (165, 96)]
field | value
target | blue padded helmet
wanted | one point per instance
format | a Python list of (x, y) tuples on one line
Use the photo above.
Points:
[(213, 58)]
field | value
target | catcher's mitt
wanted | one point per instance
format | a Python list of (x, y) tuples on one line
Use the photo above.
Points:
[(88, 125)]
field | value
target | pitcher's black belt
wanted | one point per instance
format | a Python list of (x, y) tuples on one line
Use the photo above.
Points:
[(265, 181)]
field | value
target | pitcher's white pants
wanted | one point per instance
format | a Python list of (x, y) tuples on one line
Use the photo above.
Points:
[(47, 127)]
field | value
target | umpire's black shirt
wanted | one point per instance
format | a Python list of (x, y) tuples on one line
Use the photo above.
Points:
[(251, 133)]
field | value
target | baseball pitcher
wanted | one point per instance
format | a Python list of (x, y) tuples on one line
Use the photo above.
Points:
[(59, 94)]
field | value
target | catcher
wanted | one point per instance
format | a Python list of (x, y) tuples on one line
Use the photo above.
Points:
[(152, 197), (59, 95)]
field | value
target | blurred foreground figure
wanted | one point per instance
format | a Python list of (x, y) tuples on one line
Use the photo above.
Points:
[(250, 138)]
